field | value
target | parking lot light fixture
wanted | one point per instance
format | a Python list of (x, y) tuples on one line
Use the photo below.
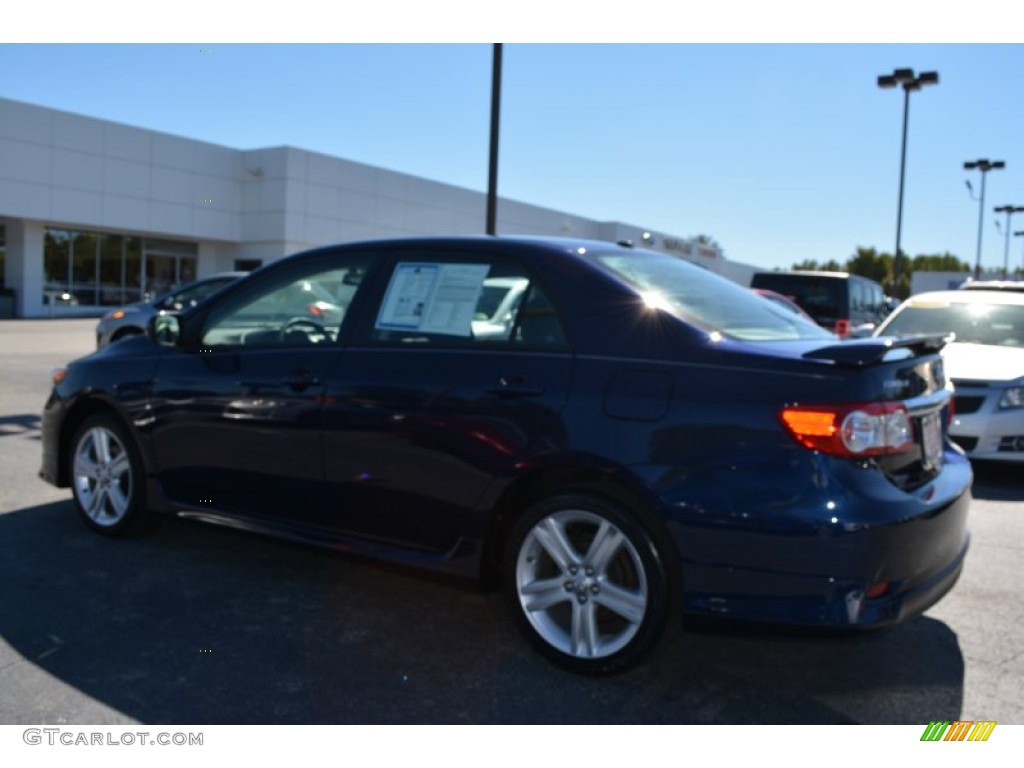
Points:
[(1009, 210), (1020, 233), (984, 166), (909, 82)]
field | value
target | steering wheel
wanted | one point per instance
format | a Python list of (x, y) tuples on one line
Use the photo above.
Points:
[(314, 331)]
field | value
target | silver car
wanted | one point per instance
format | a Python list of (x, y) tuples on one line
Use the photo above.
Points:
[(985, 362), (132, 319)]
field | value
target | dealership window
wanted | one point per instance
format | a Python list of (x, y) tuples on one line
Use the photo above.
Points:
[(110, 291), (88, 268), (3, 257), (57, 266)]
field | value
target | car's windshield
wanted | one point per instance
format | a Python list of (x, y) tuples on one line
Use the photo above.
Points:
[(706, 299), (971, 322)]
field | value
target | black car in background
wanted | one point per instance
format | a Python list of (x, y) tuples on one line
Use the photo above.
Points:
[(132, 319), (636, 437), (847, 305)]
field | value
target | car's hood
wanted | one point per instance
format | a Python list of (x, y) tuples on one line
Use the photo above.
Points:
[(983, 362)]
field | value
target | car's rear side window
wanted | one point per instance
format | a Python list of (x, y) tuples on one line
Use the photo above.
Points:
[(819, 295), (473, 302)]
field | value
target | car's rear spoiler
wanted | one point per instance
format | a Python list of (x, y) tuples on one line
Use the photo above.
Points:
[(860, 353)]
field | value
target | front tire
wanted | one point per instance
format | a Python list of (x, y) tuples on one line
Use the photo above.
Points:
[(588, 584), (106, 476)]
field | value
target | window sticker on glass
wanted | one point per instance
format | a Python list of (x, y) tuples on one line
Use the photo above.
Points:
[(432, 298)]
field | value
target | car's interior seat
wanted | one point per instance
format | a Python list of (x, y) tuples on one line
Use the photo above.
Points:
[(538, 323)]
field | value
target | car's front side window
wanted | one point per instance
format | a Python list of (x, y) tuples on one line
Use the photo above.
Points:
[(290, 310)]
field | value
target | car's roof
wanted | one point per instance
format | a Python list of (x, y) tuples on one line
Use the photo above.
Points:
[(528, 247), (998, 285), (219, 276), (811, 273), (977, 296), (568, 244)]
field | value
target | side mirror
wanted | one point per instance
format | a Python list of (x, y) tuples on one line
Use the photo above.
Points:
[(164, 329)]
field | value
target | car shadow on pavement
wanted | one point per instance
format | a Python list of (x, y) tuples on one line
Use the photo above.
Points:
[(20, 424), (192, 624), (998, 481)]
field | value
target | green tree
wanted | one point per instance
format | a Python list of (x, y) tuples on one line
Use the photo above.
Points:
[(882, 268), (825, 266), (945, 262), (867, 262)]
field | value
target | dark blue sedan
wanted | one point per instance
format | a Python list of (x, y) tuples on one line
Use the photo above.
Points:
[(632, 438)]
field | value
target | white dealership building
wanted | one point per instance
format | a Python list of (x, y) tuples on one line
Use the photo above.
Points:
[(96, 214)]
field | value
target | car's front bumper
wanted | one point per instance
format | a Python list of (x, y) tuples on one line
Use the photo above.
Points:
[(984, 431), (50, 428)]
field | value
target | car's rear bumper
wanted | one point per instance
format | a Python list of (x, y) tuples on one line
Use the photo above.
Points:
[(821, 600), (852, 551)]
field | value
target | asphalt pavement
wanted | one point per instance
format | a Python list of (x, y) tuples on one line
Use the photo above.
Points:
[(196, 624)]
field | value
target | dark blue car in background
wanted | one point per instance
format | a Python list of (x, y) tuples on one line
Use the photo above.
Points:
[(634, 438)]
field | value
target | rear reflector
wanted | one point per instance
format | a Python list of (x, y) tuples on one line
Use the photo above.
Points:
[(851, 430), (877, 589)]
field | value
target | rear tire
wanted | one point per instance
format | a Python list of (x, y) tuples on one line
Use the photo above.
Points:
[(107, 476), (588, 584)]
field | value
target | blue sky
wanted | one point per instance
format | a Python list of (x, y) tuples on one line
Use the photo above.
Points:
[(781, 152)]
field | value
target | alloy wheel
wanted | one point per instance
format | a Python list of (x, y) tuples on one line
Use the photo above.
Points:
[(582, 584), (102, 476)]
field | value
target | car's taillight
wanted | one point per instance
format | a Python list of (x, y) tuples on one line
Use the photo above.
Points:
[(851, 430), (842, 328), (315, 311)]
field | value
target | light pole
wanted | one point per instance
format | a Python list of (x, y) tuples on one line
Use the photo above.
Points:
[(984, 166), (906, 78), (492, 165), (1020, 233), (1009, 210)]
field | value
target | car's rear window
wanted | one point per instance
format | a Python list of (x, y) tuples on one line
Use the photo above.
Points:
[(819, 295), (706, 299), (972, 323)]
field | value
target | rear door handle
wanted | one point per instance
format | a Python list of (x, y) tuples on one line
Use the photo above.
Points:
[(514, 386), (301, 380)]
